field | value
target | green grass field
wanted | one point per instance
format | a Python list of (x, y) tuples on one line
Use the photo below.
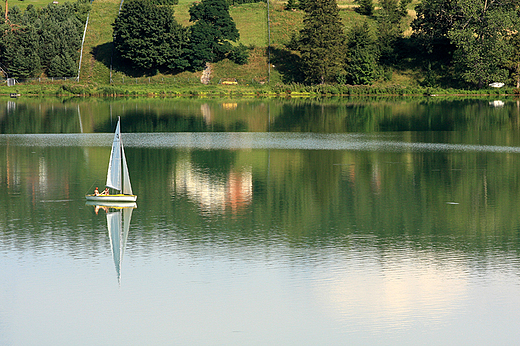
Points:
[(22, 4), (251, 21)]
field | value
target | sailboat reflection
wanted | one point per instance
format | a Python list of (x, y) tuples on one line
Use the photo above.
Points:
[(119, 216)]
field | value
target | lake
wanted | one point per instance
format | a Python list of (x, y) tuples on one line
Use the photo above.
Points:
[(335, 221)]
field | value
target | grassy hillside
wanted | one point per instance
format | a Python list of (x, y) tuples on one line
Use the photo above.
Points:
[(97, 49), (251, 21), (22, 4)]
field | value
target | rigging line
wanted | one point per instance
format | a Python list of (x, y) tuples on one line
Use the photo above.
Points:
[(90, 188)]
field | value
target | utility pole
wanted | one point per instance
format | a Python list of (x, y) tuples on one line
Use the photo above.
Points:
[(268, 44)]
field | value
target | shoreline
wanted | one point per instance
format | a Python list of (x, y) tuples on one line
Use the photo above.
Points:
[(74, 89)]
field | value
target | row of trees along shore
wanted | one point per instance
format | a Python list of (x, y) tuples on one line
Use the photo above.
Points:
[(453, 43)]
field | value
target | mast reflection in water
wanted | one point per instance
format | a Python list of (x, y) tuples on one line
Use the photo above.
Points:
[(119, 217)]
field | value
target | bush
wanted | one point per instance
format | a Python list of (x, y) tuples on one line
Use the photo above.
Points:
[(239, 54)]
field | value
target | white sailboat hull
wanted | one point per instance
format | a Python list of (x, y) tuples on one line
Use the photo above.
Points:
[(112, 198), (112, 204)]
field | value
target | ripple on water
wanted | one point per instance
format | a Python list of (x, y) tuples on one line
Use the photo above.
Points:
[(250, 140)]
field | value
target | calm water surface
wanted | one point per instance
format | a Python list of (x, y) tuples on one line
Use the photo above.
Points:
[(262, 222)]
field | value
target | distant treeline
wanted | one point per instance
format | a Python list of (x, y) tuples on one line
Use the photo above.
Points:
[(461, 43), (43, 40)]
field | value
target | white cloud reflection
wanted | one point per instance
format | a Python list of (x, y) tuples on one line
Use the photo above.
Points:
[(397, 292)]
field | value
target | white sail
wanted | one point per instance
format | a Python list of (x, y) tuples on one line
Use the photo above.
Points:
[(127, 187), (114, 165)]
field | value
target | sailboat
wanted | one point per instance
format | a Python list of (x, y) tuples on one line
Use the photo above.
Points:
[(117, 175)]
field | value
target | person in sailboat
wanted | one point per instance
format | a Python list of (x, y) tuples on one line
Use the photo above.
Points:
[(96, 191), (105, 192)]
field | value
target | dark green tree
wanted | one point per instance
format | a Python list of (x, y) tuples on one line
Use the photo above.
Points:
[(473, 36), (513, 62), (62, 66), (19, 52), (362, 56), (435, 18), (291, 5), (212, 33), (480, 36), (365, 7), (321, 42), (149, 37), (32, 39), (239, 54), (390, 18)]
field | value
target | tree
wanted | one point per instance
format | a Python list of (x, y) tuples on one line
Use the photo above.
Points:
[(19, 52), (366, 7), (362, 56), (480, 36), (32, 39), (239, 54), (62, 66), (321, 42), (435, 18), (471, 35), (212, 32), (149, 37), (291, 5), (390, 26), (514, 60)]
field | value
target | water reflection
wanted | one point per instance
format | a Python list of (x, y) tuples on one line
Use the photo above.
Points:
[(213, 194), (119, 216), (398, 237), (76, 115), (398, 292)]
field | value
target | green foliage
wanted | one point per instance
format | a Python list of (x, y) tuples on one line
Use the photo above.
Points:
[(390, 27), (62, 65), (43, 41), (471, 35), (239, 54), (110, 91), (365, 7), (362, 56), (212, 32), (431, 28), (291, 5), (321, 42), (164, 2), (479, 35), (238, 2), (148, 36), (73, 89), (513, 62)]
